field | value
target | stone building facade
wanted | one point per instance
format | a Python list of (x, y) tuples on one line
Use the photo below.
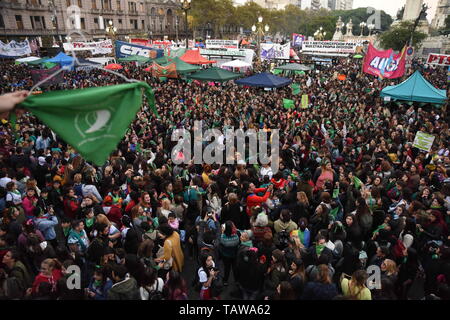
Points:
[(154, 19)]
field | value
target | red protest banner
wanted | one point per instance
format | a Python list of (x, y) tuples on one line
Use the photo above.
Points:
[(439, 59), (384, 64)]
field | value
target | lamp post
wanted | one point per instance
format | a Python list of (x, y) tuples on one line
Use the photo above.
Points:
[(54, 18), (186, 6), (112, 31), (259, 34), (176, 28), (371, 27), (362, 25), (320, 34)]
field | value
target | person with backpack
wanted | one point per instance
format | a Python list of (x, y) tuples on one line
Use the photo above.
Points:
[(151, 285), (207, 275), (283, 228), (208, 239)]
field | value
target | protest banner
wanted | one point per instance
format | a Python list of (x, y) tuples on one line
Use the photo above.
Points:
[(423, 141), (275, 51), (439, 59), (384, 64), (222, 44), (125, 49), (15, 49), (330, 46), (99, 47), (297, 40)]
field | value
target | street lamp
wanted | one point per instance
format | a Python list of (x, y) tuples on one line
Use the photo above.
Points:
[(259, 34), (186, 6), (371, 27), (362, 25), (112, 31), (319, 34)]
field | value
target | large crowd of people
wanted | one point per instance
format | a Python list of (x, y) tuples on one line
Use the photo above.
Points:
[(351, 193)]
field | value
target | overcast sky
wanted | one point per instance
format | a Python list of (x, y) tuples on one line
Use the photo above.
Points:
[(392, 6)]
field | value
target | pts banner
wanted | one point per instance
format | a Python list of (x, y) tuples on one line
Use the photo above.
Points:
[(384, 64), (126, 49)]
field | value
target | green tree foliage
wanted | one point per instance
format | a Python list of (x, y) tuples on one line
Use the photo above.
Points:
[(397, 37)]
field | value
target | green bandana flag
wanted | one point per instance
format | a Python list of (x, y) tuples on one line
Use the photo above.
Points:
[(305, 101), (357, 182), (91, 120), (288, 103), (277, 71), (295, 88)]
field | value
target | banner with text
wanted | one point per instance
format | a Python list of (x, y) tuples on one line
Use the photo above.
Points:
[(223, 44), (126, 49), (275, 51), (15, 49), (100, 47), (330, 46), (384, 64), (439, 59), (423, 141)]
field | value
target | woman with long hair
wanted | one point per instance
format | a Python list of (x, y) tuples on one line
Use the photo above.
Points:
[(389, 270), (207, 273), (228, 246), (355, 287), (321, 288), (285, 292), (297, 277), (277, 271), (363, 216), (175, 287)]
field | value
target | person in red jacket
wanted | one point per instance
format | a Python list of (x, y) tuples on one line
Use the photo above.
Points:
[(253, 199), (71, 204), (50, 272)]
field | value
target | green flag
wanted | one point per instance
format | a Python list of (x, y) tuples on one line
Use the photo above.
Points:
[(295, 88), (358, 183), (288, 103), (92, 120), (305, 101), (277, 71)]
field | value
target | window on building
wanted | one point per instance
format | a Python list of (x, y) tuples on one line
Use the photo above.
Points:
[(96, 25), (134, 24), (83, 24), (141, 5), (2, 22), (120, 21), (68, 3), (94, 4), (37, 22), (143, 24), (19, 22), (119, 5), (80, 3), (132, 6), (106, 4)]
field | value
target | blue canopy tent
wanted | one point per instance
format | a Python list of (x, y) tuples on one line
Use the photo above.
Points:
[(415, 88), (62, 59), (264, 80)]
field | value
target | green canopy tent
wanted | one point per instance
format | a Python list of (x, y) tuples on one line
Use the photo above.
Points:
[(181, 66), (37, 62), (214, 74), (415, 89), (294, 67), (162, 60), (135, 58)]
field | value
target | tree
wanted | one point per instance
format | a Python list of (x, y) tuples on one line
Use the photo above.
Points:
[(397, 37), (360, 15), (447, 23)]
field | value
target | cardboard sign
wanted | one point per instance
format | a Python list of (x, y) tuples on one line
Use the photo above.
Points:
[(423, 141)]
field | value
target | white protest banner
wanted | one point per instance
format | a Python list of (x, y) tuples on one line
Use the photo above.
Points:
[(275, 51), (223, 44), (15, 49), (222, 53), (423, 141), (439, 59), (330, 46), (100, 47)]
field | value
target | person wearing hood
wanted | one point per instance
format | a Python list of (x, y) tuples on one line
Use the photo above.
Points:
[(285, 223), (124, 287)]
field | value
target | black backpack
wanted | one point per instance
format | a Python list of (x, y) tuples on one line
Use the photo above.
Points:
[(155, 294), (283, 239)]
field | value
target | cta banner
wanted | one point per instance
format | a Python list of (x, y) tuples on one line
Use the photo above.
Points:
[(126, 49), (439, 59), (275, 51), (15, 49), (297, 40), (223, 44), (330, 46), (100, 47), (384, 64)]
